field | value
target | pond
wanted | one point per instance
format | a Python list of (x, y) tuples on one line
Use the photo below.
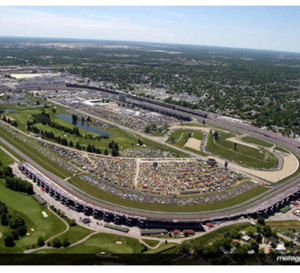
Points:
[(7, 110), (84, 125)]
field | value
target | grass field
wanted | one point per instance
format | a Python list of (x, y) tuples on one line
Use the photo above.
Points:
[(152, 243), (180, 137), (162, 248), (257, 141), (102, 242), (281, 149), (283, 224), (25, 206), (246, 155), (75, 233), (5, 159)]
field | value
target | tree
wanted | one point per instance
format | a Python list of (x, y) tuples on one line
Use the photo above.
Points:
[(267, 231), (41, 241), (216, 135), (4, 219), (74, 119), (255, 246), (235, 146), (66, 242), (72, 223), (258, 238), (261, 220), (16, 222), (9, 240), (273, 244), (56, 243)]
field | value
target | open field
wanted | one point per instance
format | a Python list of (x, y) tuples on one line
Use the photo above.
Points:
[(102, 242), (257, 141), (283, 224), (75, 233), (248, 156), (5, 159), (182, 139), (162, 248), (31, 211)]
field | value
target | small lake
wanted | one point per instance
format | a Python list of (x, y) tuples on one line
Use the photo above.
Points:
[(7, 110), (84, 125)]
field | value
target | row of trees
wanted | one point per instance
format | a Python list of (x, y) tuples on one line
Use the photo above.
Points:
[(17, 184), (114, 148)]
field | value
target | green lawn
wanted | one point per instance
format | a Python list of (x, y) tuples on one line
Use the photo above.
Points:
[(151, 242), (283, 224), (25, 206), (75, 233), (102, 242), (179, 138), (281, 149), (246, 155), (5, 159), (162, 248), (257, 141)]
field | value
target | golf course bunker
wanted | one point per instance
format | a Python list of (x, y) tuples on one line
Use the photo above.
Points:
[(45, 215), (234, 139), (193, 143), (290, 166)]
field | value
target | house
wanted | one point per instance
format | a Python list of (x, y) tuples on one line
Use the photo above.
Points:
[(246, 238), (280, 247)]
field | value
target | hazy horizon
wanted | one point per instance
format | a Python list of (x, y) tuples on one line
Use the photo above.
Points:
[(259, 28)]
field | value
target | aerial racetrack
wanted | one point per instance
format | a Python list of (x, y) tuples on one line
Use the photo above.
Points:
[(153, 175)]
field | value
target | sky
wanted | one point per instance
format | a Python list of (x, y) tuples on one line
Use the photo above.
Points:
[(270, 28)]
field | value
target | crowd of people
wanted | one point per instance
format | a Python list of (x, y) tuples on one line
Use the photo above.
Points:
[(117, 171), (145, 153), (169, 177), (139, 196)]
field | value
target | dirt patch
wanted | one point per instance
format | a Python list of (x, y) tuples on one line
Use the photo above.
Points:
[(193, 143)]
